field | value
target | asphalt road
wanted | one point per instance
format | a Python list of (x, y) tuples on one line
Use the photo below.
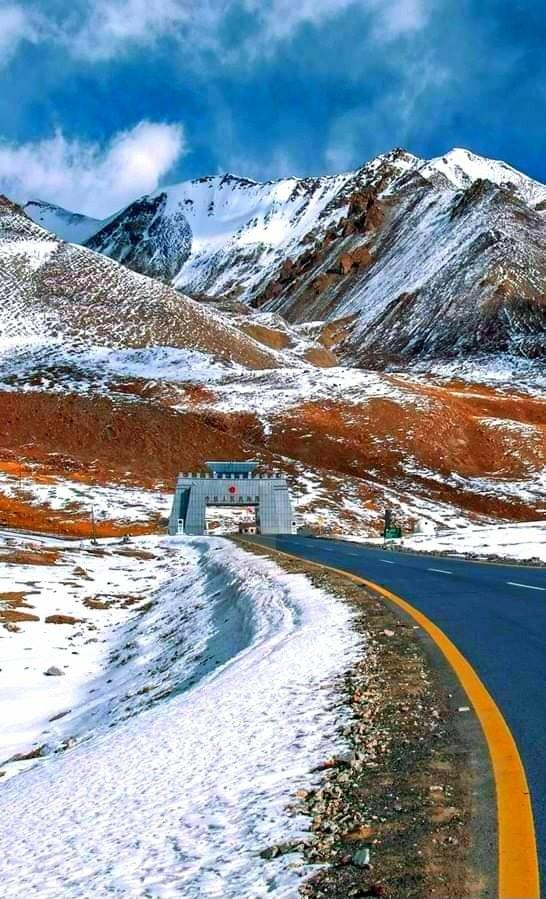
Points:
[(495, 615)]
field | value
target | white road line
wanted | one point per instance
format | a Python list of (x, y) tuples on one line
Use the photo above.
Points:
[(440, 570), (527, 586), (387, 562)]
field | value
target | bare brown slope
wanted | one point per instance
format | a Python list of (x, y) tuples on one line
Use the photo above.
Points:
[(49, 288), (138, 441), (434, 449), (410, 448)]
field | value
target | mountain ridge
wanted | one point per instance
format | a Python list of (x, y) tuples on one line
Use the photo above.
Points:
[(423, 255), (51, 290)]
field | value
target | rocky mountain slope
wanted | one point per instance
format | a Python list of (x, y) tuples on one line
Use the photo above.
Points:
[(51, 290), (402, 260), (424, 272), (420, 257)]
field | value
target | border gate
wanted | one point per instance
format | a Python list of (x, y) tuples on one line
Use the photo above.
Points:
[(230, 485)]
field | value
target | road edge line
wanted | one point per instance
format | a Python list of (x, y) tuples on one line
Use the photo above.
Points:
[(518, 869)]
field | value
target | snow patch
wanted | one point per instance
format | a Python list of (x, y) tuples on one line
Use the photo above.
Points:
[(181, 797)]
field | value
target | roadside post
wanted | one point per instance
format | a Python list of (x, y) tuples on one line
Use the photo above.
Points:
[(391, 530), (93, 527)]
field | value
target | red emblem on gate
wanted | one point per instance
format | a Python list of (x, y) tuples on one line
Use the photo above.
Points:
[(232, 490)]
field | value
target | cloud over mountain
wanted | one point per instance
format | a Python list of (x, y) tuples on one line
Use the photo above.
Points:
[(97, 179)]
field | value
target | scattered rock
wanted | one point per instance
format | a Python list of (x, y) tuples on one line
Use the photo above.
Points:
[(353, 259), (364, 832), (282, 849), (362, 857), (14, 615), (53, 671), (66, 744), (26, 756), (60, 714), (92, 603), (62, 619), (288, 271)]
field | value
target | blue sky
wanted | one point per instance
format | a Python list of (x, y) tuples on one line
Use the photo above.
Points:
[(115, 97)]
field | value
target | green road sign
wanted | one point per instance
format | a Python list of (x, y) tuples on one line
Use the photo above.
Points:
[(392, 533)]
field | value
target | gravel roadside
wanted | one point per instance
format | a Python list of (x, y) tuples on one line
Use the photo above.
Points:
[(409, 810)]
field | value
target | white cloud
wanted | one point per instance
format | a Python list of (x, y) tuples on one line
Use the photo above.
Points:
[(389, 18), (102, 30), (397, 17), (112, 27), (87, 177), (16, 25)]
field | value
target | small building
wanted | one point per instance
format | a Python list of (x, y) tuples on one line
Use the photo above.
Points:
[(231, 485), (248, 527)]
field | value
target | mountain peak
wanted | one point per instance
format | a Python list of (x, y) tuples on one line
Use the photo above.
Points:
[(70, 226), (461, 167)]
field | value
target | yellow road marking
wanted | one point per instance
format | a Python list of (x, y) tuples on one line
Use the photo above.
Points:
[(518, 871)]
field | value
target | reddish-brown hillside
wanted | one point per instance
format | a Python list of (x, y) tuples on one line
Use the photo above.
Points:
[(475, 448)]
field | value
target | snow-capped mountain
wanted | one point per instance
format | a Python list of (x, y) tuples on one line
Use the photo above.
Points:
[(54, 290), (152, 236), (461, 168), (422, 257), (227, 234), (70, 226), (425, 271)]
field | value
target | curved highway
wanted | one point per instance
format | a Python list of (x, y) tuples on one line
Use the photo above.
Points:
[(494, 614)]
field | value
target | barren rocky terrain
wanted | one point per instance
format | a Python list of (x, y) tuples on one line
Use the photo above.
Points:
[(428, 273)]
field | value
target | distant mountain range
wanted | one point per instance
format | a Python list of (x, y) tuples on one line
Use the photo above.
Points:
[(223, 318), (418, 258), (51, 290)]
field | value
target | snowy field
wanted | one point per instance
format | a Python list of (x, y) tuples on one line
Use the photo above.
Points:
[(90, 368), (99, 588), (522, 542), (115, 502), (193, 721)]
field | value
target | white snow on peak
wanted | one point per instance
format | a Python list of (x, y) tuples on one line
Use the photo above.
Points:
[(69, 226), (238, 232), (243, 229), (462, 167), (220, 207)]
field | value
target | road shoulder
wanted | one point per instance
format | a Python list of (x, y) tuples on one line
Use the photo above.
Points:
[(417, 790)]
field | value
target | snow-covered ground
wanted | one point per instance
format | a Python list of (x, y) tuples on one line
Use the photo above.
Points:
[(92, 368), (274, 391), (523, 542), (117, 502), (501, 371), (511, 541), (531, 489), (187, 746), (100, 587)]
